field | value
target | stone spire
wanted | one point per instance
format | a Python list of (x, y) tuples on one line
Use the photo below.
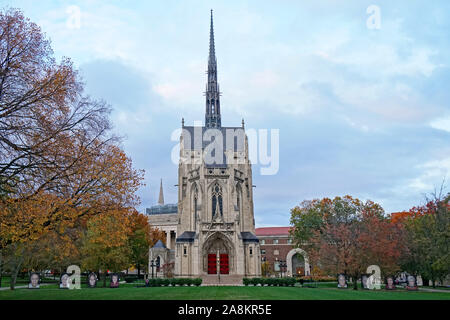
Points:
[(212, 115), (161, 195)]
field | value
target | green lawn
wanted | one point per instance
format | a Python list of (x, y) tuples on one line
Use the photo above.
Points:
[(217, 293), (24, 281)]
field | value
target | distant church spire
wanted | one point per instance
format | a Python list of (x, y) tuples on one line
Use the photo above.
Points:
[(161, 195), (212, 115)]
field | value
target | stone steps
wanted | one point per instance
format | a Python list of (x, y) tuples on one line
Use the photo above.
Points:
[(225, 280)]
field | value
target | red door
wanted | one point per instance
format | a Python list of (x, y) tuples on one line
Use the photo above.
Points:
[(212, 264), (224, 265)]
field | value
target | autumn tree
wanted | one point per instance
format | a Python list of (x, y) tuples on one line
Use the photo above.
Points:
[(105, 246), (143, 236), (427, 232), (59, 163), (346, 235)]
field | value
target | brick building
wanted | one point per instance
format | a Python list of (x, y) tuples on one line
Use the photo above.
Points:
[(277, 248)]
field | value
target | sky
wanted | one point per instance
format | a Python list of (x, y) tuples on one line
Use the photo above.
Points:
[(360, 95)]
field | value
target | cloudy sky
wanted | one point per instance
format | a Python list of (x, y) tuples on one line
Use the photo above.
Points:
[(361, 111)]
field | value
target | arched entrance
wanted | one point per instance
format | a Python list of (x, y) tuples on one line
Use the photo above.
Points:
[(297, 261), (218, 255)]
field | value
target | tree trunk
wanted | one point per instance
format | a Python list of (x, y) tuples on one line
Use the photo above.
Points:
[(1, 267), (139, 270), (15, 272), (104, 279), (355, 283)]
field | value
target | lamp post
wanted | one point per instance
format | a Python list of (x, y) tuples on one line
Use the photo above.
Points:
[(152, 264)]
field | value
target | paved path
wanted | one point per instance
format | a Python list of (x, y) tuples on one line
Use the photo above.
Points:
[(434, 290), (225, 280)]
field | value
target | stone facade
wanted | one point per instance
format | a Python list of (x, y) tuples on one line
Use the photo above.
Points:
[(215, 215)]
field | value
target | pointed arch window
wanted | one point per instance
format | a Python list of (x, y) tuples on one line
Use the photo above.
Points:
[(195, 209), (217, 203)]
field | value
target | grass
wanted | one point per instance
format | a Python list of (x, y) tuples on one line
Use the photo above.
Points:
[(6, 280), (129, 291)]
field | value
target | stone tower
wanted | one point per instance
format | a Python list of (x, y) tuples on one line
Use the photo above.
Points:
[(216, 225)]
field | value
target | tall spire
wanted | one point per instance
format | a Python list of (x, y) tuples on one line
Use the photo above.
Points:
[(161, 195), (212, 49), (212, 115)]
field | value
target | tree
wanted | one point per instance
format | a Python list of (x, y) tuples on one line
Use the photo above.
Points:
[(105, 246), (346, 235), (265, 269), (427, 239), (41, 107), (142, 237), (59, 164)]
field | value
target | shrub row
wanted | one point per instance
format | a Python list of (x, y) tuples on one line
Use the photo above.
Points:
[(158, 282), (316, 279), (270, 281), (133, 278)]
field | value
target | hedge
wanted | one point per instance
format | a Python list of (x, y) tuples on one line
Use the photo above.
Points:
[(317, 278), (270, 281), (158, 282)]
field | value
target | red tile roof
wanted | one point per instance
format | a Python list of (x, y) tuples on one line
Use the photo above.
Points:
[(272, 231)]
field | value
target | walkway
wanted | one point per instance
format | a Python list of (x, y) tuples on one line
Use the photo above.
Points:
[(225, 280)]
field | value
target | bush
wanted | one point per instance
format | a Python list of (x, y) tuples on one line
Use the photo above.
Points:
[(316, 279), (291, 282), (197, 281), (263, 281), (165, 282), (130, 279), (254, 281), (183, 281), (268, 281), (157, 282), (173, 281)]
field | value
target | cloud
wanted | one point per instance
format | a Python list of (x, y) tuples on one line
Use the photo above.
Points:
[(441, 124), (433, 172), (363, 112)]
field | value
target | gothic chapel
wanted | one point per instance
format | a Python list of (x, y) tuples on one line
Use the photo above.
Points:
[(216, 225)]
